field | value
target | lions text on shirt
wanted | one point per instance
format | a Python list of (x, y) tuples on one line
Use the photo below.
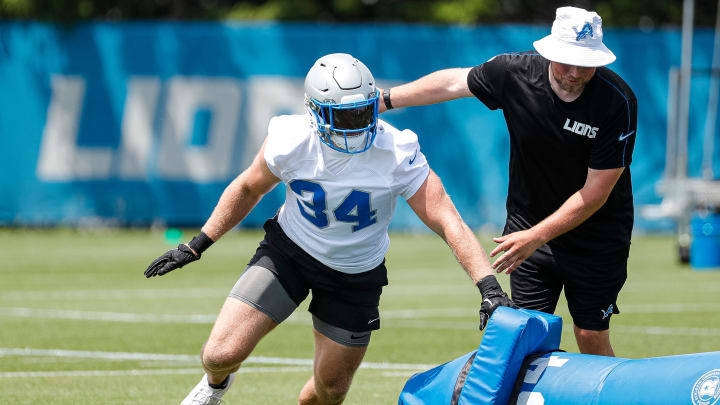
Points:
[(338, 206)]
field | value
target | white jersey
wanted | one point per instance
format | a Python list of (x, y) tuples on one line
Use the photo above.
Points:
[(338, 206)]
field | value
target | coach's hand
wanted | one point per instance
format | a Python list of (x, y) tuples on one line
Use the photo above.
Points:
[(176, 258), (517, 247), (493, 296), (171, 260)]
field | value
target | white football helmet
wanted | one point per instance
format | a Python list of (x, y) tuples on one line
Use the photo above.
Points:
[(342, 99)]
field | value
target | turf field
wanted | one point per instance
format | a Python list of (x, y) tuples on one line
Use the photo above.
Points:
[(80, 324)]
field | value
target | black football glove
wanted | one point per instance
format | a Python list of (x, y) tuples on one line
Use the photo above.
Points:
[(179, 257), (171, 260), (493, 296)]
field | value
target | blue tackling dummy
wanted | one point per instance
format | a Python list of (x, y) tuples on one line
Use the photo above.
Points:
[(518, 363)]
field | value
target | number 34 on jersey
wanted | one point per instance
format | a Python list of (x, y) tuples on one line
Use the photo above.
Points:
[(355, 208)]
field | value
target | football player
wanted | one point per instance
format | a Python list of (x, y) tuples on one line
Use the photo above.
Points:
[(344, 170)]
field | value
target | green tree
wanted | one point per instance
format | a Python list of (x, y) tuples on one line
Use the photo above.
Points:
[(646, 14)]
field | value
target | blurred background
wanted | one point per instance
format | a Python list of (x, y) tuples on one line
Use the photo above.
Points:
[(115, 110), (644, 14), (134, 113), (121, 122)]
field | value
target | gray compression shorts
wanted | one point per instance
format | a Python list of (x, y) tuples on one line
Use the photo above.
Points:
[(260, 288)]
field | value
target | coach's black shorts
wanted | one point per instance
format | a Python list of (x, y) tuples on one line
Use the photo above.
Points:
[(346, 301), (592, 285)]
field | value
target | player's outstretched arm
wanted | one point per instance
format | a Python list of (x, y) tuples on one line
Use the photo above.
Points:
[(435, 208), (439, 86), (235, 203), (240, 197)]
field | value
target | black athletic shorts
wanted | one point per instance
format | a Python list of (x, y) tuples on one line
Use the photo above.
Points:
[(347, 301), (592, 285)]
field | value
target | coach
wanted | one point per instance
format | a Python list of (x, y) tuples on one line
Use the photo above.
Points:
[(572, 131)]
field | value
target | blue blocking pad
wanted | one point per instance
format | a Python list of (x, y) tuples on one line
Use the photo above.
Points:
[(565, 378), (488, 376), (685, 379), (434, 386), (510, 336), (568, 378)]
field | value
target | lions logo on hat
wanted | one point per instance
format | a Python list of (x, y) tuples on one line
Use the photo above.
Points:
[(575, 39), (584, 32), (706, 390)]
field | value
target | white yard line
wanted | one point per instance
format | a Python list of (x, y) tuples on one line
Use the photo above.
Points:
[(7, 351), (125, 294), (665, 330), (399, 289), (394, 318), (400, 286), (401, 319), (121, 373), (209, 318), (107, 316), (669, 308), (299, 318)]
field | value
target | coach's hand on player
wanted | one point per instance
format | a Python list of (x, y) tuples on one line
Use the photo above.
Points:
[(517, 246), (179, 257), (493, 296)]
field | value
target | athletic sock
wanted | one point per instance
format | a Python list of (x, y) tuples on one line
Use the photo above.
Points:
[(220, 386)]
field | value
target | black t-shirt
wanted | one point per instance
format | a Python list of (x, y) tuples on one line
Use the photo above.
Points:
[(553, 143)]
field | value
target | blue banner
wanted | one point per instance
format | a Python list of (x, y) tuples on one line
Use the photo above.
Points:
[(139, 123)]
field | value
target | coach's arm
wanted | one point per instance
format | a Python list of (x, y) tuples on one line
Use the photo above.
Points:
[(235, 203), (439, 86), (435, 208), (518, 246)]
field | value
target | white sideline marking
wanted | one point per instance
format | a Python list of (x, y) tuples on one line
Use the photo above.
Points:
[(403, 286), (402, 289), (117, 294), (107, 316), (668, 308), (7, 351), (403, 374), (121, 373), (298, 317), (398, 319), (121, 316), (666, 330), (402, 318)]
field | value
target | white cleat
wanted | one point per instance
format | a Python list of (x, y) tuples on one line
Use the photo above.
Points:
[(204, 394)]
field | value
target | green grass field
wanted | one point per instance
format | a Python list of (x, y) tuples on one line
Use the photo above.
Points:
[(79, 323)]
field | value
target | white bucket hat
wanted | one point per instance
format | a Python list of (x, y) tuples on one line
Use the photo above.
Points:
[(575, 39)]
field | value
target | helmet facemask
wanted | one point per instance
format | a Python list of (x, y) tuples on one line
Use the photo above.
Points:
[(346, 127)]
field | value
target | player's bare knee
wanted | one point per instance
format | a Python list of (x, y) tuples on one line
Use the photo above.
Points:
[(333, 389), (217, 358), (217, 362), (333, 395)]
